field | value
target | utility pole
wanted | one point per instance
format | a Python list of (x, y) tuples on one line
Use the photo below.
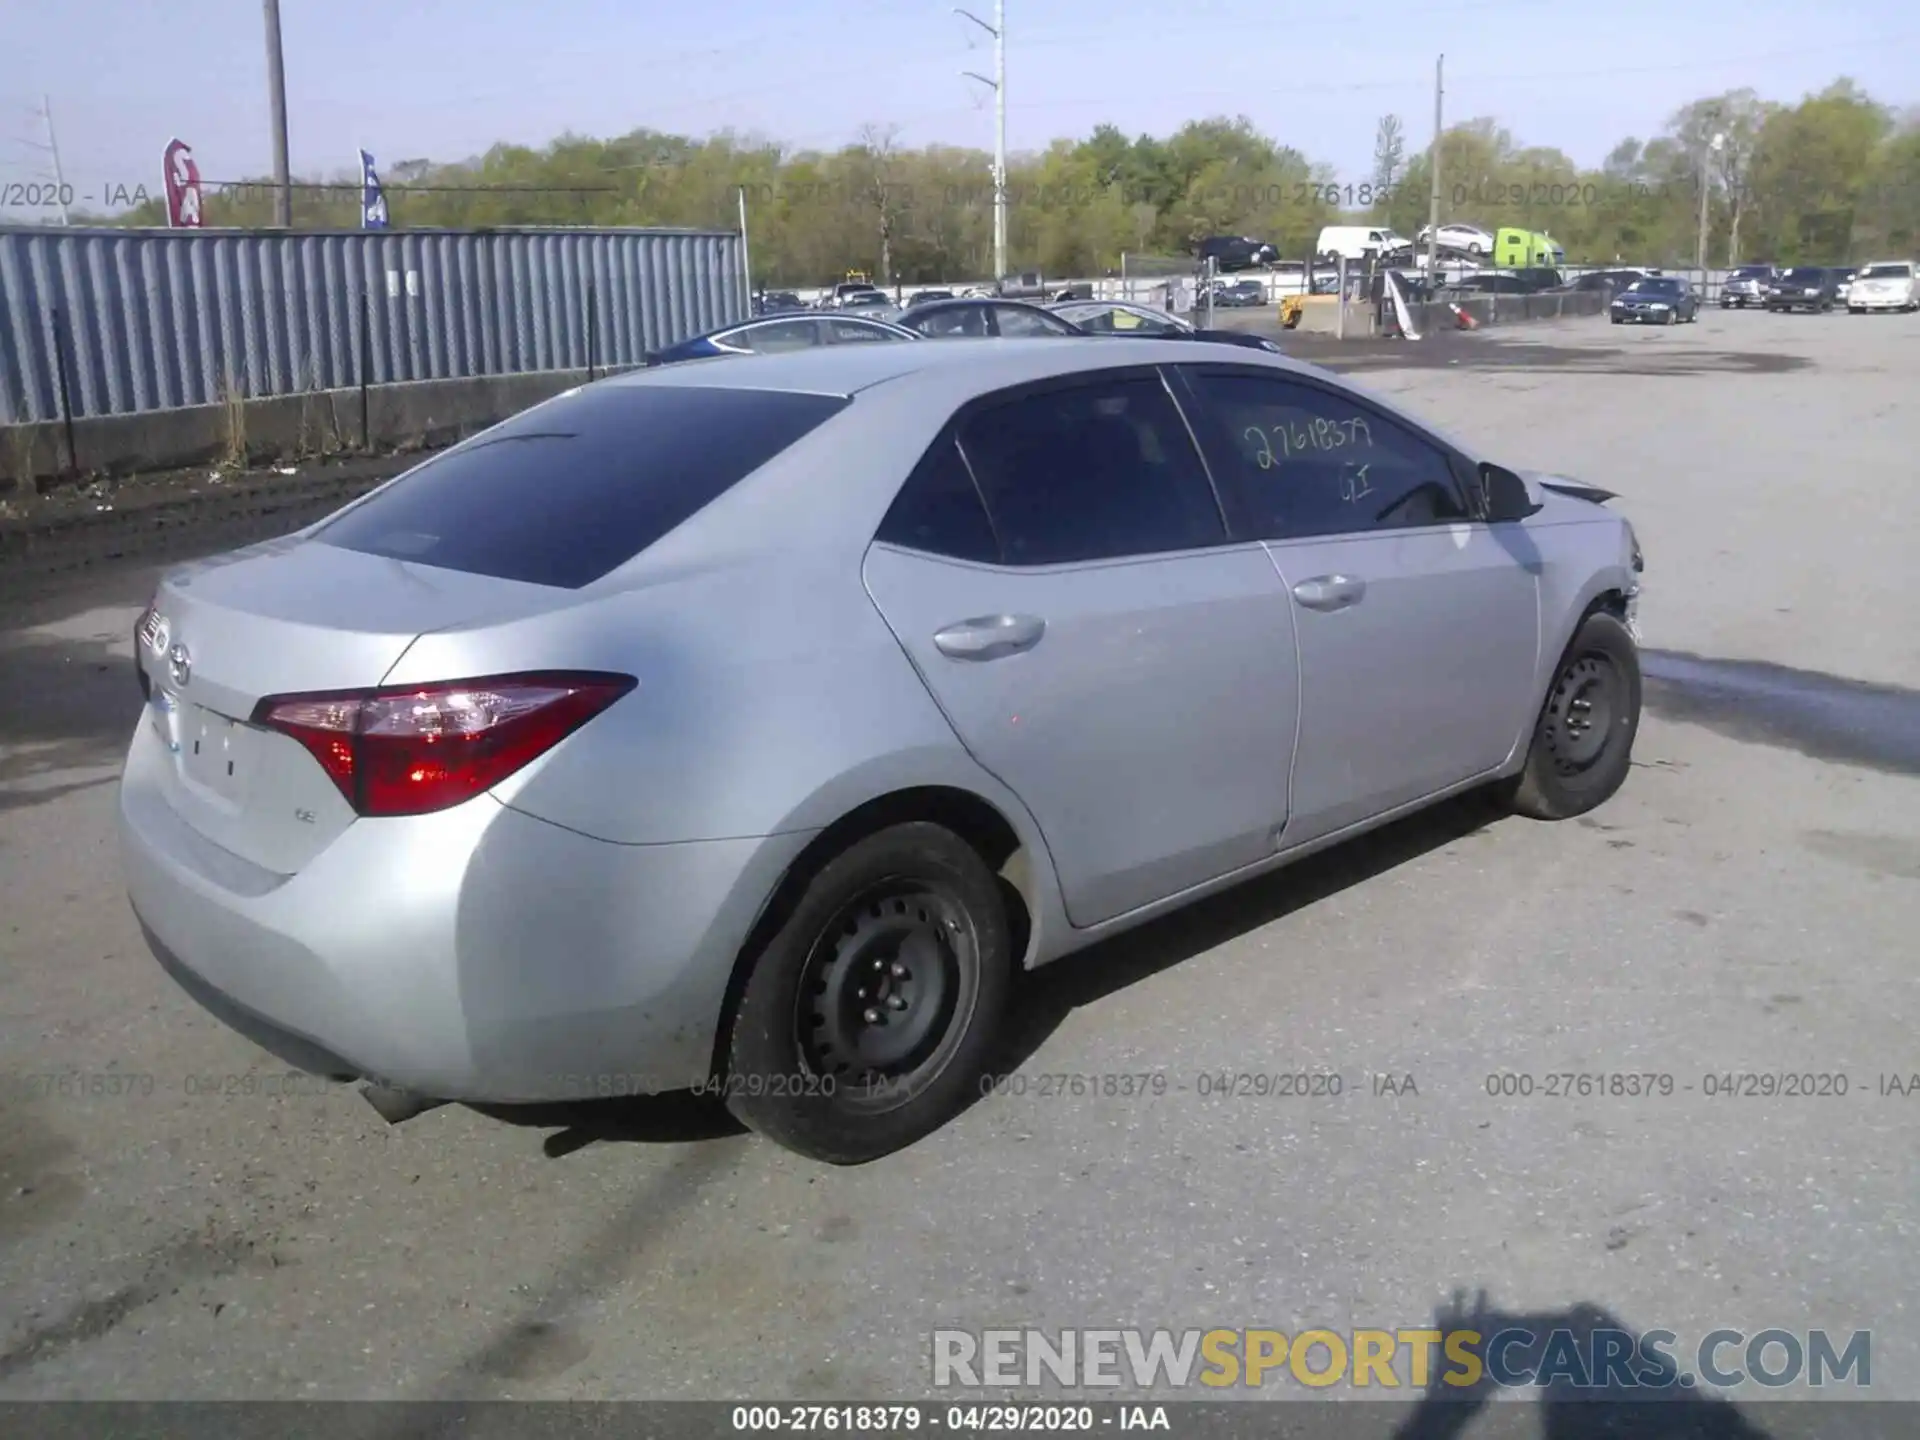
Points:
[(1710, 148), (1433, 165), (277, 94), (53, 149), (999, 83)]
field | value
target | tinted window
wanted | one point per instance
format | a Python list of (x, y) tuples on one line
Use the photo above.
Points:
[(938, 510), (776, 335), (1313, 463), (1091, 472), (1887, 272), (1012, 320), (563, 493)]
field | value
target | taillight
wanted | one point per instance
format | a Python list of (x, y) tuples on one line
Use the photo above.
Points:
[(414, 749), (145, 637)]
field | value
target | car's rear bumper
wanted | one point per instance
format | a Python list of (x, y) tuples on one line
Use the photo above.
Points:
[(477, 954)]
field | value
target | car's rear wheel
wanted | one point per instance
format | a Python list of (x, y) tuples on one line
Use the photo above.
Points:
[(868, 1018), (1583, 740)]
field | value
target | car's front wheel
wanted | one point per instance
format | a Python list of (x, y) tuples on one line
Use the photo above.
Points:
[(868, 1018), (1583, 740)]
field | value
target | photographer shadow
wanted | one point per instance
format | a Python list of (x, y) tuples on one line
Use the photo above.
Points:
[(1662, 1405)]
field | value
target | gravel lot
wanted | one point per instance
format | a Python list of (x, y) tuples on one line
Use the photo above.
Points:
[(1748, 903)]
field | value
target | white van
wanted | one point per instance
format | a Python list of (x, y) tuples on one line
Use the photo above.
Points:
[(1356, 242)]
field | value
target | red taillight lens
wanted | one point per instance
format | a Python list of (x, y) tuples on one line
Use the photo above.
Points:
[(411, 750)]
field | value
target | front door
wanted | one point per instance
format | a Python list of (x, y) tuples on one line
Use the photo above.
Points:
[(1061, 576), (1417, 625)]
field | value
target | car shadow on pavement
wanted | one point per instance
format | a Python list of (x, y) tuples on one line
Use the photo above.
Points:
[(675, 1118), (1047, 996), (1607, 1382)]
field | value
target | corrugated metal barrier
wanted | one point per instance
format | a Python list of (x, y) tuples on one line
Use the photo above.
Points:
[(152, 319)]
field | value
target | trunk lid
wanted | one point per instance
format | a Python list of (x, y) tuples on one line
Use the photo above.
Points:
[(286, 617)]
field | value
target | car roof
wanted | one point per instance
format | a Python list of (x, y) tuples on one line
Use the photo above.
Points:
[(979, 363)]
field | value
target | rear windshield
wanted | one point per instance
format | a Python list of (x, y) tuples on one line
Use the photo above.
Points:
[(566, 492), (1805, 273)]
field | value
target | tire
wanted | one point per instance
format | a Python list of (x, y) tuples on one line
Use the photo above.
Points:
[(919, 903), (1670, 317), (1570, 771)]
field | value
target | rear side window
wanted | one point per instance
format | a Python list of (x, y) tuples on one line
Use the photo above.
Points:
[(1091, 472), (566, 492), (938, 511)]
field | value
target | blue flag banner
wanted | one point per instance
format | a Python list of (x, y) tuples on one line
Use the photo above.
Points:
[(373, 203)]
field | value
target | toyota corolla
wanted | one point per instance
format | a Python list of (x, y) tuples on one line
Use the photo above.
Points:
[(757, 722)]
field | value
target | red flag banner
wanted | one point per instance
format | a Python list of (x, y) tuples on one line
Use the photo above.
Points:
[(183, 185)]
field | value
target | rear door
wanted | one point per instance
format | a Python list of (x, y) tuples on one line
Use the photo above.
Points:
[(1059, 571), (1418, 626)]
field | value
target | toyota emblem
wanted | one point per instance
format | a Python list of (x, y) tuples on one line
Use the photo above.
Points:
[(179, 664)]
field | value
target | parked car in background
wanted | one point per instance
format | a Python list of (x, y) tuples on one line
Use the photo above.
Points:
[(1467, 239), (1608, 280), (1804, 287), (927, 297), (962, 319), (869, 301), (1884, 285), (778, 302), (1357, 242), (665, 731), (1240, 295), (1748, 285), (1843, 281), (1236, 252), (1656, 300), (1118, 317), (774, 333), (851, 291)]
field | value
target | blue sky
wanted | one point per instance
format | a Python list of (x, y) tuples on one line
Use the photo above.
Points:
[(445, 78)]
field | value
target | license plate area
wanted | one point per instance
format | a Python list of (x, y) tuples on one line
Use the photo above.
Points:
[(216, 754)]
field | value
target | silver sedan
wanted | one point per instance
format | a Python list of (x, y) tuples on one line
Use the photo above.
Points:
[(749, 726)]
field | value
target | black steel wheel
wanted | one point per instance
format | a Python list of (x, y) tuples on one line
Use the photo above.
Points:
[(882, 985), (869, 1013), (1583, 739)]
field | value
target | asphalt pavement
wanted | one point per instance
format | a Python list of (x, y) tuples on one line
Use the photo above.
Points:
[(203, 1227)]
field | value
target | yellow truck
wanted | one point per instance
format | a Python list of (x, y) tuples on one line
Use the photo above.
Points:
[(1515, 249)]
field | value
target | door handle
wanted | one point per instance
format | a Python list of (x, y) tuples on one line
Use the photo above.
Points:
[(989, 637), (1330, 592)]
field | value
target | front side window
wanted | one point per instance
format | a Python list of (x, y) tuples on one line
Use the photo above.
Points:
[(1091, 472), (1014, 321), (771, 338), (1310, 462)]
